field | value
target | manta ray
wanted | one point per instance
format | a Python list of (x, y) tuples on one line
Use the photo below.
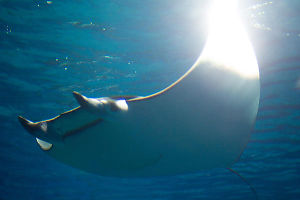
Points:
[(201, 121)]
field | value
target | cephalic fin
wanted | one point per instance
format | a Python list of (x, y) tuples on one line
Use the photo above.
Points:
[(43, 144), (28, 125), (82, 100), (90, 103)]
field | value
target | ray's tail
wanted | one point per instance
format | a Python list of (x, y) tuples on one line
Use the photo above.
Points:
[(243, 179)]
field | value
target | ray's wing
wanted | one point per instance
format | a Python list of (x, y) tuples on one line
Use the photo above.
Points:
[(163, 91)]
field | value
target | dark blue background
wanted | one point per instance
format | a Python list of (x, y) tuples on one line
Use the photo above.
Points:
[(106, 47)]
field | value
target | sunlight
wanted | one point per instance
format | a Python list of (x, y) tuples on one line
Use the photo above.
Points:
[(228, 45)]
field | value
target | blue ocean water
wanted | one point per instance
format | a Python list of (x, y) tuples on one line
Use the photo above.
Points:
[(50, 48)]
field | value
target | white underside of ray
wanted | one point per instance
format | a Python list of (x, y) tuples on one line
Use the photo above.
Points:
[(202, 122)]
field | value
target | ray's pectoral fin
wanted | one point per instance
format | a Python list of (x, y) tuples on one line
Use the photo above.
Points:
[(104, 105), (37, 130)]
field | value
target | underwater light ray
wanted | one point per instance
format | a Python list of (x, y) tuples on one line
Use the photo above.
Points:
[(228, 45)]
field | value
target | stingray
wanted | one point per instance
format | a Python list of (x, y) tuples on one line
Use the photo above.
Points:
[(201, 121)]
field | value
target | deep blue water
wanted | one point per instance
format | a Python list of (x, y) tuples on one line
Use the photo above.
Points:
[(106, 47)]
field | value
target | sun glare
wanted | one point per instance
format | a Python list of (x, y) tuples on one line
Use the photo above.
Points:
[(228, 45)]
